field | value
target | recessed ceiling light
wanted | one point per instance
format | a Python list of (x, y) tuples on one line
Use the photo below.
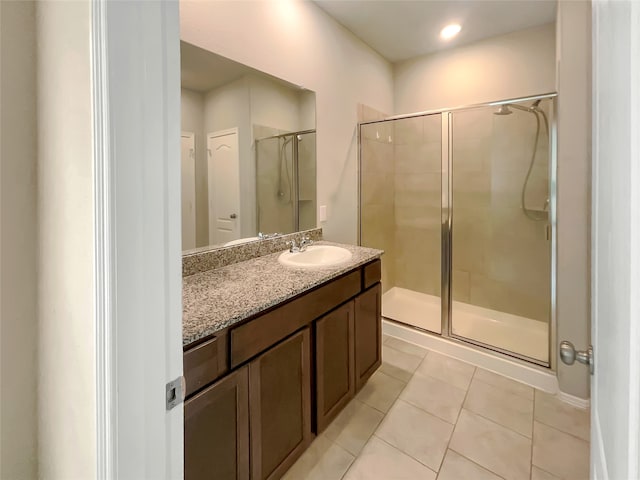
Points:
[(450, 31)]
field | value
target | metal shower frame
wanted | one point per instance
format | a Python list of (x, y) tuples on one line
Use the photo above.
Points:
[(447, 221)]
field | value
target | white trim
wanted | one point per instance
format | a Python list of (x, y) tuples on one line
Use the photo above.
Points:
[(222, 133), (634, 227), (106, 427), (538, 377), (599, 470), (579, 402)]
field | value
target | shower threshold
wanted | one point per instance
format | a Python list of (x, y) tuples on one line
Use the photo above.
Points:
[(513, 333)]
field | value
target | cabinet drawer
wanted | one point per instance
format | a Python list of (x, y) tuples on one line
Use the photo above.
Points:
[(372, 274), (205, 363), (266, 330)]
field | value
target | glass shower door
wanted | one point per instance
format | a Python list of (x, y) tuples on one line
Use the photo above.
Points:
[(275, 184), (400, 201), (501, 228), (306, 144)]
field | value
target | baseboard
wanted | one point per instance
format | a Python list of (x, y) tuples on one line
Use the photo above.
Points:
[(598, 459), (537, 377), (579, 402)]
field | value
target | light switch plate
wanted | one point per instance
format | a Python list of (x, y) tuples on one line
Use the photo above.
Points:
[(322, 213)]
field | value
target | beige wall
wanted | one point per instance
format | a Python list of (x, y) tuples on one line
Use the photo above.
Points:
[(18, 242), (507, 66), (312, 50), (66, 380), (192, 120), (574, 186), (275, 105)]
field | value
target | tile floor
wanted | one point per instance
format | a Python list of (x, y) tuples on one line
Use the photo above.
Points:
[(423, 415)]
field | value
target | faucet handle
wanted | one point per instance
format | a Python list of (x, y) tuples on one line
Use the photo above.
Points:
[(293, 246), (306, 240)]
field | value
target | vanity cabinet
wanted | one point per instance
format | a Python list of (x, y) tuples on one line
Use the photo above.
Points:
[(280, 406), (288, 372), (216, 430)]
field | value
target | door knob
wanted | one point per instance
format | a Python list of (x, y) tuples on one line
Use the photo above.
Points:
[(569, 355), (233, 215)]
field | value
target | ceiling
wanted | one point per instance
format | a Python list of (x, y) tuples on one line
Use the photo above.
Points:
[(402, 29), (202, 70)]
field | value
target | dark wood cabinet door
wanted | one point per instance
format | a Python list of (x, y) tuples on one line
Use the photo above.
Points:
[(335, 363), (368, 335), (216, 430), (280, 406)]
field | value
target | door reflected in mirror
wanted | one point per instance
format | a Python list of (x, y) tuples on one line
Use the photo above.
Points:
[(248, 152)]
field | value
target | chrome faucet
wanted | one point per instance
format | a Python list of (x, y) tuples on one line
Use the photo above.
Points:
[(265, 236), (299, 247), (293, 246), (304, 243)]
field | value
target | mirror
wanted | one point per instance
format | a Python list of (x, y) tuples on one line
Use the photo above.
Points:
[(248, 152)]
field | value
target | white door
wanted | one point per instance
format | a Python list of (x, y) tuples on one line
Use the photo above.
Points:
[(188, 175), (615, 385), (224, 186)]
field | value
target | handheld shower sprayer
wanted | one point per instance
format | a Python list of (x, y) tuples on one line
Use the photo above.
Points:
[(537, 112)]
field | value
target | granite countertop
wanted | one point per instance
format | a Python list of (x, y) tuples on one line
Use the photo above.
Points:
[(216, 299)]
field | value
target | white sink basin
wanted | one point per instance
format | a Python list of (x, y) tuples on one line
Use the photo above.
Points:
[(241, 241), (316, 256)]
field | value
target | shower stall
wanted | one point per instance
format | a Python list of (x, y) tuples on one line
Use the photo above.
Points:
[(463, 202), (286, 182)]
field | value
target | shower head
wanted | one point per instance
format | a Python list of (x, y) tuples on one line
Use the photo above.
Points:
[(503, 110), (534, 106)]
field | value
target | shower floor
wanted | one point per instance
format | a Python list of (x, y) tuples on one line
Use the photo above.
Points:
[(509, 332)]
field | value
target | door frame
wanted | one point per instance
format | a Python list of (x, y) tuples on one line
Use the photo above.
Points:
[(192, 137), (137, 237)]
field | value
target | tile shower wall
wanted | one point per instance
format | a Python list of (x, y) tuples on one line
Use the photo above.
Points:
[(307, 178), (417, 199), (378, 223)]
